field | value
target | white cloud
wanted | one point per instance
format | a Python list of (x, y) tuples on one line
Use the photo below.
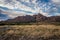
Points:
[(13, 14), (17, 5), (56, 1), (14, 4)]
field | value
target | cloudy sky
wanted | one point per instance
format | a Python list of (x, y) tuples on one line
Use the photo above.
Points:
[(13, 8)]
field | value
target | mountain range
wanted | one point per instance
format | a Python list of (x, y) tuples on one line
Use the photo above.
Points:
[(35, 18)]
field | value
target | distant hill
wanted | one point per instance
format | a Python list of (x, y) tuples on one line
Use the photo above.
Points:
[(35, 18), (26, 18), (54, 18)]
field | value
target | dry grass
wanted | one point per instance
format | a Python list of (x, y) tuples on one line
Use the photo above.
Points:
[(30, 32)]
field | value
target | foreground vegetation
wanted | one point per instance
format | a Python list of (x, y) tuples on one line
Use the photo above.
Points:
[(32, 23), (30, 32)]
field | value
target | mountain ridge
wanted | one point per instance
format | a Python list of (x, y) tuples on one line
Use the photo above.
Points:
[(35, 18)]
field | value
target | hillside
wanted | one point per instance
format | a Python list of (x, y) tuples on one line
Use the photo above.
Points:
[(31, 19)]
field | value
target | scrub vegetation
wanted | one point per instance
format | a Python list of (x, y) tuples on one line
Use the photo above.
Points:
[(30, 32)]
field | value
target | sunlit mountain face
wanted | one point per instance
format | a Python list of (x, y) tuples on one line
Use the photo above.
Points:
[(13, 8)]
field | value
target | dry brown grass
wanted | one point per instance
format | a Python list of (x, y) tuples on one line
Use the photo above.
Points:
[(30, 32)]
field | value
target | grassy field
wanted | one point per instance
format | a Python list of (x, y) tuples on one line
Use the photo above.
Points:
[(30, 32)]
